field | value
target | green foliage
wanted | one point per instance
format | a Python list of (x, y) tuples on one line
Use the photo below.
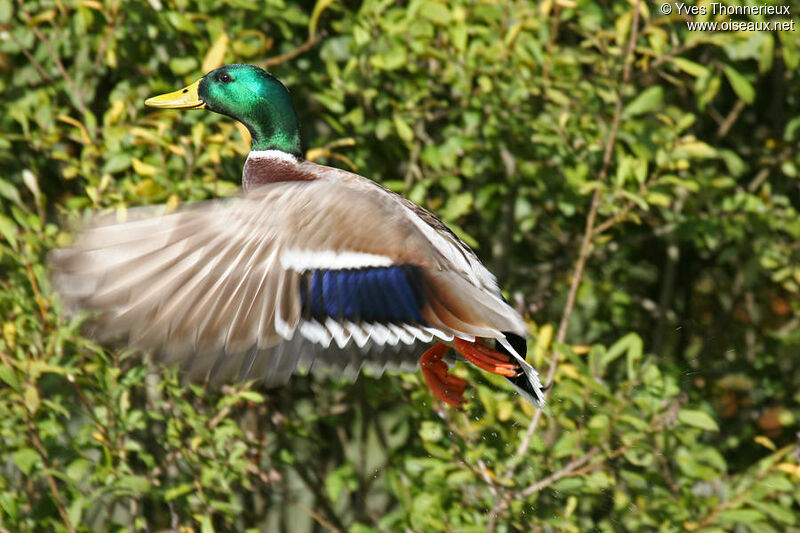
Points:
[(675, 405)]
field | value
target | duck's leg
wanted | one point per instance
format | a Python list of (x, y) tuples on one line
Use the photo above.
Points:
[(447, 388), (486, 358)]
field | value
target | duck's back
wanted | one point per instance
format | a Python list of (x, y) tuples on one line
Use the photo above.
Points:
[(311, 265)]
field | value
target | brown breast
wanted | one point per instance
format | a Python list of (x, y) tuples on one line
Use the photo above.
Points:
[(262, 170)]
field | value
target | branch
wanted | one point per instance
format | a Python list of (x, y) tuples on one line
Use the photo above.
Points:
[(317, 517), (482, 470), (727, 124), (586, 243), (117, 19), (54, 56), (555, 19), (291, 54), (577, 276), (317, 489), (38, 66), (579, 466), (42, 452), (311, 479), (674, 53), (568, 470), (611, 221), (743, 491)]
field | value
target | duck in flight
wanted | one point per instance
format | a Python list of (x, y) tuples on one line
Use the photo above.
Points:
[(310, 266)]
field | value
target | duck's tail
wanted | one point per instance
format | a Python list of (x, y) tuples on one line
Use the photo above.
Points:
[(527, 380)]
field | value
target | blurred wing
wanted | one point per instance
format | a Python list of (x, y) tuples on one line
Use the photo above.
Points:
[(288, 276)]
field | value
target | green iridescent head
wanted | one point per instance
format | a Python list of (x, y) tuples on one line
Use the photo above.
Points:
[(248, 94)]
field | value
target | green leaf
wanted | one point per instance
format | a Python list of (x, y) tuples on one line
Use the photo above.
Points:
[(9, 377), (8, 230), (599, 422), (776, 511), (252, 396), (646, 101), (177, 491), (635, 198), (332, 104), (78, 468), (404, 131), (431, 431), (629, 342), (777, 483), (182, 22), (75, 510), (206, 525), (392, 60), (25, 460), (133, 484), (183, 65), (698, 419), (8, 504), (32, 401), (286, 456), (741, 86), (706, 89), (6, 10), (319, 7), (9, 191), (740, 516), (340, 479), (766, 55), (457, 206), (696, 150), (789, 49), (557, 97), (690, 67), (436, 13), (117, 163), (659, 199)]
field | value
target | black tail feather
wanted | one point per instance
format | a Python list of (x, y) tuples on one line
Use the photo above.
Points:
[(520, 381)]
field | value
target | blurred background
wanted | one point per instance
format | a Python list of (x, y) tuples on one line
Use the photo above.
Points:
[(633, 184)]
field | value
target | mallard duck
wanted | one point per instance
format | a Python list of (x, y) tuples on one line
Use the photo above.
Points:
[(310, 266)]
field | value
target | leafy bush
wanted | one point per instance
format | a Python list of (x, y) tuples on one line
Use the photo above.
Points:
[(633, 184)]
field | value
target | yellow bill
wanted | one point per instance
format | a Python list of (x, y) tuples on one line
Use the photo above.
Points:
[(186, 98)]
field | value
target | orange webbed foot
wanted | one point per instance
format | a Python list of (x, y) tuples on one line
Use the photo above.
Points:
[(444, 386), (486, 358)]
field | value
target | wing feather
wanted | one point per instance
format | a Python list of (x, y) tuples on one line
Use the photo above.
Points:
[(206, 286)]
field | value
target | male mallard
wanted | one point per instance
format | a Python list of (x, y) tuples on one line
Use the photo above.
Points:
[(311, 265)]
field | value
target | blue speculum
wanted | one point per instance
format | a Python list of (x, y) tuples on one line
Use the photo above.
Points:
[(380, 294)]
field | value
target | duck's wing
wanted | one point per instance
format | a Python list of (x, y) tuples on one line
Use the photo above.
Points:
[(289, 275)]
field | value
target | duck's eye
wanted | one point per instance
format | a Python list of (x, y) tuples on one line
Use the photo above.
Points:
[(224, 77)]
